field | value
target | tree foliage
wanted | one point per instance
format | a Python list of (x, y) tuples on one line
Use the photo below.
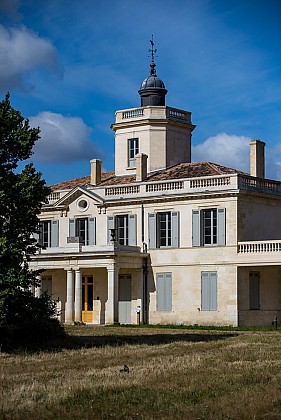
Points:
[(22, 194)]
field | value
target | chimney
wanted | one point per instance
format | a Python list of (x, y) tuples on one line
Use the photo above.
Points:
[(141, 167), (257, 158), (95, 171)]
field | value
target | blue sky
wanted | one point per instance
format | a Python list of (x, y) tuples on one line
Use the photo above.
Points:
[(70, 64)]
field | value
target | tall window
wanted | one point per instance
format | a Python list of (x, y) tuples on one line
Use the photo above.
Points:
[(122, 229), (209, 291), (84, 228), (81, 228), (210, 227), (45, 233), (48, 233), (164, 291), (133, 150), (164, 229), (125, 228)]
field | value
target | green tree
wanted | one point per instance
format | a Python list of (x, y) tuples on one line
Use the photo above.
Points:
[(22, 194)]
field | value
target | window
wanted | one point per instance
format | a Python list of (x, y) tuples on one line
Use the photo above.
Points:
[(164, 291), (254, 292), (163, 229), (208, 291), (125, 227), (122, 229), (83, 228), (208, 227), (46, 285), (48, 233), (133, 150)]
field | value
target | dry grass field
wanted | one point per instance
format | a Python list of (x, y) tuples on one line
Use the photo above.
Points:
[(172, 374)]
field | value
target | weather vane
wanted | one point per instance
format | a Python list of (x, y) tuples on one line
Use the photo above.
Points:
[(152, 50)]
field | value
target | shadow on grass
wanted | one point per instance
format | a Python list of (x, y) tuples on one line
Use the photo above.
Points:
[(89, 341)]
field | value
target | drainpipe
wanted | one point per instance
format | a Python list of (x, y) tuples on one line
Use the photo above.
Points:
[(145, 297)]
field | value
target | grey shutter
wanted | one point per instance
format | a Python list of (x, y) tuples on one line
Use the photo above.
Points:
[(204, 291), (72, 227), (175, 229), (221, 226), (213, 291), (160, 294), (132, 229), (54, 233), (254, 292), (195, 227), (152, 230), (110, 225), (209, 291), (164, 291), (38, 235), (92, 230)]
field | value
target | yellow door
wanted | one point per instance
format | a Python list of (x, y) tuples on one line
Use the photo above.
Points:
[(87, 298)]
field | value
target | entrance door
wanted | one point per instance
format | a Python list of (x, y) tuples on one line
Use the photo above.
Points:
[(87, 298), (125, 305)]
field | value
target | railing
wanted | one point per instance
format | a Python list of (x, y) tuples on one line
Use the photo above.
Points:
[(133, 113), (131, 189), (259, 183), (53, 197), (177, 114), (258, 247), (209, 182), (165, 186)]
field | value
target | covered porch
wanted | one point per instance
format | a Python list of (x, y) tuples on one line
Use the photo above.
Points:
[(94, 287)]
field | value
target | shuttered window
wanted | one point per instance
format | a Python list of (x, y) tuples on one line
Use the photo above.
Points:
[(208, 290), (254, 290), (125, 226), (163, 229), (48, 233), (164, 291), (84, 228), (208, 227)]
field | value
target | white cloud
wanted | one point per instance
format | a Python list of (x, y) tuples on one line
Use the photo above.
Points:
[(21, 50), (225, 149), (63, 139)]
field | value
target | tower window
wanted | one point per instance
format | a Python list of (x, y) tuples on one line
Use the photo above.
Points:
[(133, 150)]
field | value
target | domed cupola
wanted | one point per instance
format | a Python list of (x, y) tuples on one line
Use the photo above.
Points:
[(152, 90)]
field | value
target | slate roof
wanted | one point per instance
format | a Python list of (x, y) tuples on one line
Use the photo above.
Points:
[(180, 171)]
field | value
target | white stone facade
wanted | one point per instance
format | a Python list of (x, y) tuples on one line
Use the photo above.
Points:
[(193, 243)]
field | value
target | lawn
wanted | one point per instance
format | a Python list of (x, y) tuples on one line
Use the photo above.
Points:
[(172, 374)]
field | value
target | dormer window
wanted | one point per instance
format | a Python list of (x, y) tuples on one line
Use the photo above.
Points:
[(133, 150)]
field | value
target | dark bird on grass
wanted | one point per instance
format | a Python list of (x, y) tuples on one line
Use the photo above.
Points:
[(126, 369)]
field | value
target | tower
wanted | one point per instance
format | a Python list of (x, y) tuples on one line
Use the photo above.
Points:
[(162, 133)]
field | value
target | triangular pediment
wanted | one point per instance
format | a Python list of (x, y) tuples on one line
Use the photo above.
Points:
[(77, 192)]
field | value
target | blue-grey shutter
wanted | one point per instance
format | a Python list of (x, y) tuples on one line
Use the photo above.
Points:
[(254, 292), (92, 230), (160, 293), (209, 291), (175, 229), (38, 235), (213, 291), (168, 291), (221, 226), (54, 233), (164, 291), (205, 291), (132, 229), (195, 227), (72, 227), (110, 225), (152, 230)]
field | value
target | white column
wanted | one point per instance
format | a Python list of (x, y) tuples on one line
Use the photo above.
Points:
[(69, 297), (111, 314), (38, 288), (78, 296)]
